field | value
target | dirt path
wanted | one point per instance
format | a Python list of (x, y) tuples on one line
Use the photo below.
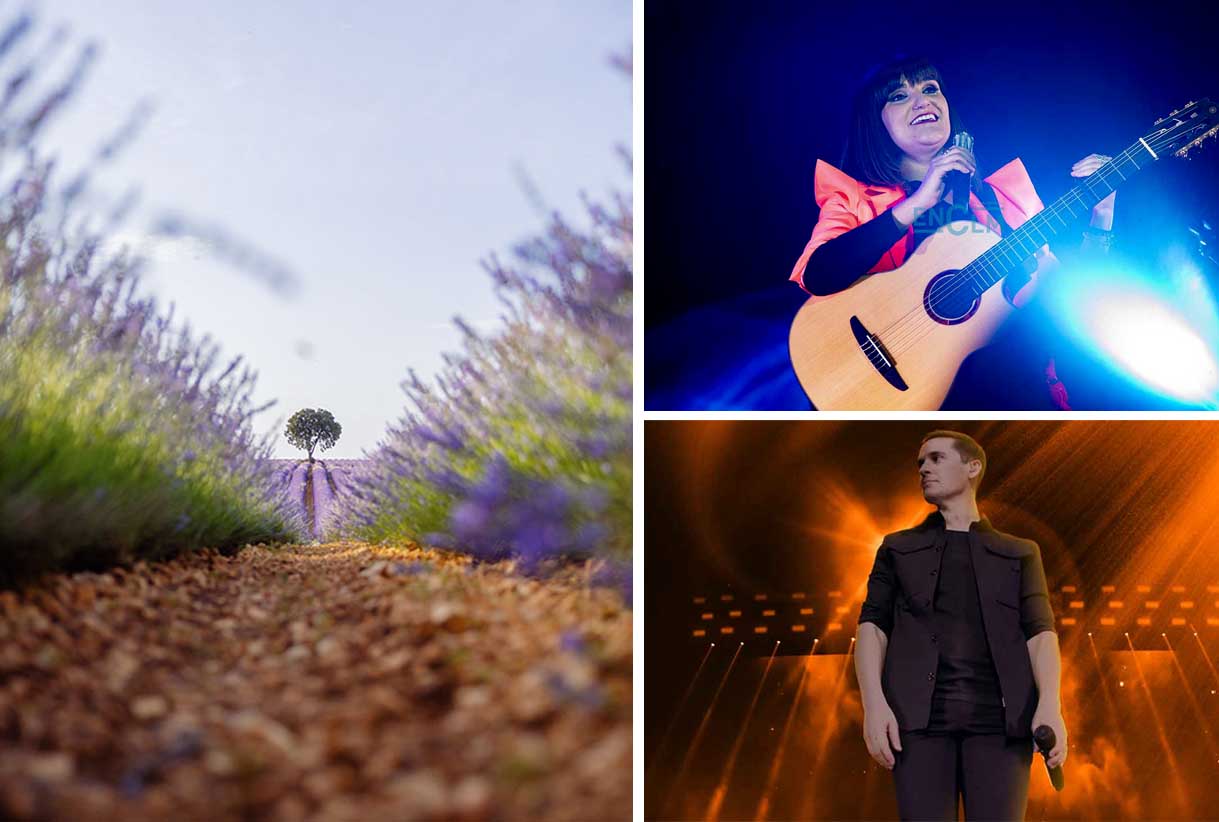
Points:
[(341, 681)]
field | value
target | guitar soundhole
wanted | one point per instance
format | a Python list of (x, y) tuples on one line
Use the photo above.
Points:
[(949, 298)]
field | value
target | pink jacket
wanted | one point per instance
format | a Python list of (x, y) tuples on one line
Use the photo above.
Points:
[(846, 203)]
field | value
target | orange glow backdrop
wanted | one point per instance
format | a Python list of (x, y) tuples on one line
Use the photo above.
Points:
[(751, 524)]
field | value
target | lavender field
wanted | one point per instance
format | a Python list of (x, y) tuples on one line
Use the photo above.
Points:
[(192, 629)]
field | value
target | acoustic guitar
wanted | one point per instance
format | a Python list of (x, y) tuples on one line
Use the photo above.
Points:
[(895, 340)]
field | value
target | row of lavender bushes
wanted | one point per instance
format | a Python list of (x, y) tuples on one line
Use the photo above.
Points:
[(122, 435), (313, 488), (522, 447)]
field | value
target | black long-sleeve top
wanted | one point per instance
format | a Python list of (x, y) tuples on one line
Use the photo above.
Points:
[(839, 262)]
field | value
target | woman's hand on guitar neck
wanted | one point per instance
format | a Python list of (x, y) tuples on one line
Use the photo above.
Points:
[(931, 190), (1102, 212)]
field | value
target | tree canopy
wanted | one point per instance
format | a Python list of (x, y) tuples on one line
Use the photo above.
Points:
[(313, 428)]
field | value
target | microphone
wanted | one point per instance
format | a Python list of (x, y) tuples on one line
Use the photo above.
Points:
[(958, 181), (1045, 739)]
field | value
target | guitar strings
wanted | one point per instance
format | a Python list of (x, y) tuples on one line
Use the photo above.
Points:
[(908, 333), (902, 344), (973, 273)]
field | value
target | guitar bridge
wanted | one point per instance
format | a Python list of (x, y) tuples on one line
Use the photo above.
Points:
[(878, 355)]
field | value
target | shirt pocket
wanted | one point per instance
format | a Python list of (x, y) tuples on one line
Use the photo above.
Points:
[(1004, 573), (915, 567)]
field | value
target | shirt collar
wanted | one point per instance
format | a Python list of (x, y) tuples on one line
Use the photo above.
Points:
[(935, 522)]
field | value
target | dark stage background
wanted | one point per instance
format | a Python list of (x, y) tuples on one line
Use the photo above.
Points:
[(771, 509), (741, 100)]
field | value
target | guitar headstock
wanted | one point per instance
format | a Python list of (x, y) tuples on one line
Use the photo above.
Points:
[(1184, 129)]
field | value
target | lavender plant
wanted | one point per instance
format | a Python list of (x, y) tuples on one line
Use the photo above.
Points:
[(120, 438), (522, 448)]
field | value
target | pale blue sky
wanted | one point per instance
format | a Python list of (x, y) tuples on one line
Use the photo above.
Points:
[(373, 148)]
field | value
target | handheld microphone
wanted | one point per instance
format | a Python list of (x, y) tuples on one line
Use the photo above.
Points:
[(1045, 739), (958, 181)]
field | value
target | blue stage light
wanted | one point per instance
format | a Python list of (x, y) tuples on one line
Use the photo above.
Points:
[(1157, 326), (1154, 343)]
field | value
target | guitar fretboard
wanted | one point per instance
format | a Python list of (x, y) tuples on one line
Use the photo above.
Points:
[(1005, 256)]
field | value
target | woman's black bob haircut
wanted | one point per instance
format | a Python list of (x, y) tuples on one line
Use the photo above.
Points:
[(870, 154)]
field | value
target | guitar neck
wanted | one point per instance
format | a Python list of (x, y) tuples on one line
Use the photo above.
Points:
[(1023, 242)]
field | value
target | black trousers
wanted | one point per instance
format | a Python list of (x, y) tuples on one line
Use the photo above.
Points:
[(990, 771)]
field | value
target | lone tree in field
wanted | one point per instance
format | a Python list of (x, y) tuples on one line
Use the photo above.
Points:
[(311, 428)]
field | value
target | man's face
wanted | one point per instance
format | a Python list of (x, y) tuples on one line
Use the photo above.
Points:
[(943, 471)]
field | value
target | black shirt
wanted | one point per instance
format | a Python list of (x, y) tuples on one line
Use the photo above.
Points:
[(967, 695)]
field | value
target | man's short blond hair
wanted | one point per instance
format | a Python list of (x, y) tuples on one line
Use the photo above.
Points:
[(966, 446)]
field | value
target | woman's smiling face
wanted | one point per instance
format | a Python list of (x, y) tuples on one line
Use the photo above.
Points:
[(916, 117)]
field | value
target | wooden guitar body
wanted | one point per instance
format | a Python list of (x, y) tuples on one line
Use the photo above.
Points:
[(894, 340)]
